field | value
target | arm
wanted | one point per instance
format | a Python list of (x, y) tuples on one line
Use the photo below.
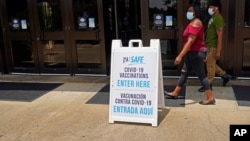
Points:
[(185, 49), (219, 32), (188, 44)]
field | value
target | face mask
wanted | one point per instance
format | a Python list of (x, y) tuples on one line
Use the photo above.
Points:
[(190, 15), (210, 11)]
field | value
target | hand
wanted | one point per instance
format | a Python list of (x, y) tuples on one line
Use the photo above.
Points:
[(177, 60), (205, 59), (217, 55)]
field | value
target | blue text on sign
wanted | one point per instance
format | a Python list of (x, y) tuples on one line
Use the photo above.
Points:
[(132, 83)]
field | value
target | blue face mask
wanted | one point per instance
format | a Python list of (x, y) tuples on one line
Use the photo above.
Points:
[(210, 11), (190, 15)]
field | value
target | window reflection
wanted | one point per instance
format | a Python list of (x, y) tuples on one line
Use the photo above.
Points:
[(168, 54), (247, 14), (85, 14), (162, 14), (17, 15), (54, 54), (22, 54), (88, 54), (49, 15)]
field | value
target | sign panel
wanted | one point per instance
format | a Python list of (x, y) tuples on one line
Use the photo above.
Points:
[(91, 22), (15, 24), (169, 20), (24, 24), (82, 23), (134, 83), (158, 21)]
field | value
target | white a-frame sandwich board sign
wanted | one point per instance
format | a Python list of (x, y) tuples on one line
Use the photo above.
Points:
[(136, 83)]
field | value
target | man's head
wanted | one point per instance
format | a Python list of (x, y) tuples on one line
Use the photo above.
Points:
[(215, 5)]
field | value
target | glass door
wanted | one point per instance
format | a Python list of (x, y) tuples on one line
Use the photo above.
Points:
[(51, 36), (1, 47), (122, 20), (35, 36), (86, 37), (164, 20), (128, 20), (242, 46), (21, 52), (54, 36)]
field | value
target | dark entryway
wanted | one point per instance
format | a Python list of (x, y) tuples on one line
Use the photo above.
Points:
[(122, 20), (1, 49), (54, 36), (240, 43)]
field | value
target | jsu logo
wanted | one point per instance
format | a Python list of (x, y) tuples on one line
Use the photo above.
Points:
[(132, 60)]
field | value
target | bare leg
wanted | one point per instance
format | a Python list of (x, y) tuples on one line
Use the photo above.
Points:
[(175, 92), (210, 99)]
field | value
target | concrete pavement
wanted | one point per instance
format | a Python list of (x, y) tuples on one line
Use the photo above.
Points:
[(63, 115)]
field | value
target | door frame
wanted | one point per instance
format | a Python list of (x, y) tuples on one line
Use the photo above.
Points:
[(41, 36), (97, 34), (35, 36), (8, 36), (240, 34), (1, 46)]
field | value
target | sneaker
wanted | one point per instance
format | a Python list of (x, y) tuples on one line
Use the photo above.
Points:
[(226, 79), (201, 89)]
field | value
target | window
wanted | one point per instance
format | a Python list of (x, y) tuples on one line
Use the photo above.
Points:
[(50, 15), (247, 14), (162, 14), (85, 14), (17, 15)]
